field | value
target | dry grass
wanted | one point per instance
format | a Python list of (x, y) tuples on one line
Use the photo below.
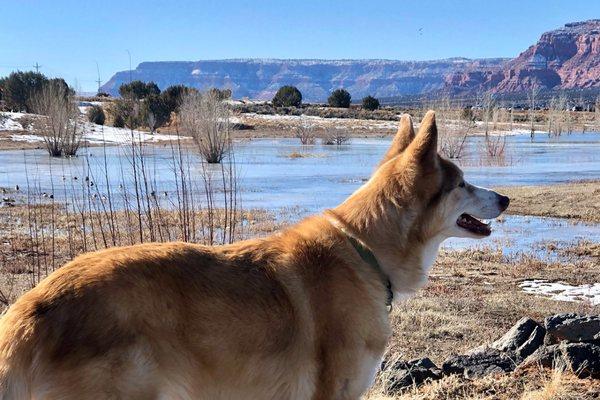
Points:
[(472, 298), (523, 385), (579, 200)]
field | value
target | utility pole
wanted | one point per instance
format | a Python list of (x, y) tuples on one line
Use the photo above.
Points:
[(37, 67), (99, 81), (129, 65)]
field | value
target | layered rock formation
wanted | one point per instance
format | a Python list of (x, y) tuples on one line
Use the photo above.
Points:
[(316, 79), (566, 58)]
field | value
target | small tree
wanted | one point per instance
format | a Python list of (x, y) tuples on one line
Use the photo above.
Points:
[(306, 134), (58, 125), (173, 96), (489, 106), (19, 88), (339, 98), (597, 113), (138, 90), (126, 111), (118, 121), (221, 94), (335, 137), (370, 103), (206, 119), (155, 112), (287, 96), (532, 98), (96, 115)]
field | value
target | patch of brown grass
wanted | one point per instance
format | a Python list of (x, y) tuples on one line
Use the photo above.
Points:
[(578, 200)]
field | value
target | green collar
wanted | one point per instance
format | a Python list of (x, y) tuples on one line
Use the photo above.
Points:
[(368, 257)]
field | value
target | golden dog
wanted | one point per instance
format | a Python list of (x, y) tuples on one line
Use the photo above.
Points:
[(301, 314)]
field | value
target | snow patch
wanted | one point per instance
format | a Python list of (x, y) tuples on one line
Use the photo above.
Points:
[(563, 291), (8, 121)]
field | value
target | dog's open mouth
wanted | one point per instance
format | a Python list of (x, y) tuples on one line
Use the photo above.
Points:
[(473, 225)]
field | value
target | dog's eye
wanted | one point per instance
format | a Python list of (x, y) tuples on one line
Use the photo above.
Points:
[(461, 184)]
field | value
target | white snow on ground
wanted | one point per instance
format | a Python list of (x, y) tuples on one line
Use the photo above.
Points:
[(320, 121), (92, 133), (563, 291), (8, 121), (98, 134), (109, 134)]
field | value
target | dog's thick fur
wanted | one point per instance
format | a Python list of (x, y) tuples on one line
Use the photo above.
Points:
[(298, 315)]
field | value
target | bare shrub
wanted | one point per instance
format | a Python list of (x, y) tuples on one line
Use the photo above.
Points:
[(336, 137), (558, 119), (488, 105), (532, 100), (59, 124), (306, 134), (455, 124), (206, 119), (495, 146), (597, 113)]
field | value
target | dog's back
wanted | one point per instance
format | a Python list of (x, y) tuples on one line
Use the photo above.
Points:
[(152, 320)]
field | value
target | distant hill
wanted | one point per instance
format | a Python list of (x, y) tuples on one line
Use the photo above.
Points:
[(260, 79), (566, 58)]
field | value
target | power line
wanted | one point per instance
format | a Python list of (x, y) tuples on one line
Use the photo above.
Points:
[(37, 67)]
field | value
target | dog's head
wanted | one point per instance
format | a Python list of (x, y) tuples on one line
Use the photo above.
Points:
[(417, 195), (432, 188)]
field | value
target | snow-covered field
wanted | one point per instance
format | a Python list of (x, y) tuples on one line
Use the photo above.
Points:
[(93, 133), (563, 291)]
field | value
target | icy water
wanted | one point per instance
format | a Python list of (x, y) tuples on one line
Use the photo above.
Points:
[(325, 175)]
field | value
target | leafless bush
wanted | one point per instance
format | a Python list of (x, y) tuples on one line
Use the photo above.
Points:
[(558, 116), (206, 119), (495, 146), (335, 136), (59, 124), (452, 145), (532, 99), (489, 107), (597, 113), (306, 134), (455, 124)]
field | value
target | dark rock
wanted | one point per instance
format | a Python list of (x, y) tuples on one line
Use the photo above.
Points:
[(479, 364), (545, 356), (536, 339), (413, 373), (518, 335), (572, 328), (583, 359)]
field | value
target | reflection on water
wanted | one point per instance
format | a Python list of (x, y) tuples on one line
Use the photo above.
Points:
[(326, 175), (516, 235), (271, 179)]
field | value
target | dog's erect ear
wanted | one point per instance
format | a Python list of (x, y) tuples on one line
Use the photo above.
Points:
[(424, 147), (405, 135)]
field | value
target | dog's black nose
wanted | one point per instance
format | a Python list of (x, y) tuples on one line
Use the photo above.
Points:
[(504, 201)]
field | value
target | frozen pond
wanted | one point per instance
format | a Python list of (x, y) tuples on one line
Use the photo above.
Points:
[(322, 177), (279, 173), (515, 235)]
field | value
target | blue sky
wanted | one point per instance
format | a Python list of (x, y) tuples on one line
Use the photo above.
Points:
[(68, 37)]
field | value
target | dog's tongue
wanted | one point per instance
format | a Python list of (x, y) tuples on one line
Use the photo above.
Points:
[(473, 225)]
